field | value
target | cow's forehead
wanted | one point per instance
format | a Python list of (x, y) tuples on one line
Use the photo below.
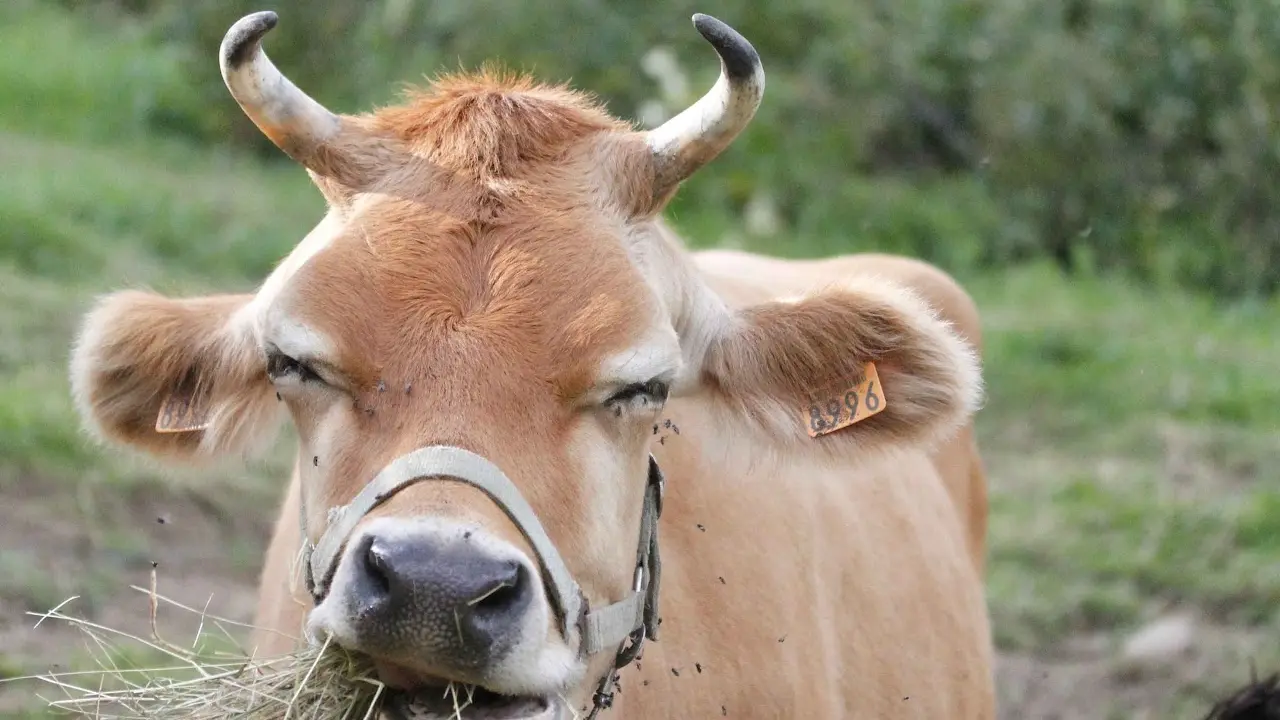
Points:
[(550, 294)]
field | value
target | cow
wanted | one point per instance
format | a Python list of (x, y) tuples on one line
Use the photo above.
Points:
[(547, 454)]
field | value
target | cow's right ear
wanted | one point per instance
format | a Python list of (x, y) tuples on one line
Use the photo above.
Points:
[(174, 378)]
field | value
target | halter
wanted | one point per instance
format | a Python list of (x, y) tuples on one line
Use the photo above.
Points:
[(633, 618)]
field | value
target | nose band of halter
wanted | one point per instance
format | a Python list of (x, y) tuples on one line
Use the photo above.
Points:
[(605, 627)]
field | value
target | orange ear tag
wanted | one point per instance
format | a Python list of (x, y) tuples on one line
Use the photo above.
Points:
[(179, 414), (840, 410)]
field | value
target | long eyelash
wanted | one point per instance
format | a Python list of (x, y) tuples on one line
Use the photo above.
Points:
[(654, 388), (279, 364), (631, 391)]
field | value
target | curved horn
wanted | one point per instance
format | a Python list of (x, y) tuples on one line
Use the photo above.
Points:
[(297, 124), (702, 131)]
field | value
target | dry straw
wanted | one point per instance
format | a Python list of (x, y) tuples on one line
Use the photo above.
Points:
[(316, 682), (322, 682)]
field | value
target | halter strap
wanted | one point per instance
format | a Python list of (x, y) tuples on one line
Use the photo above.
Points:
[(635, 616)]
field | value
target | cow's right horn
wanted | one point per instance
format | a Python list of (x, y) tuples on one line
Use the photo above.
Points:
[(320, 140), (693, 138)]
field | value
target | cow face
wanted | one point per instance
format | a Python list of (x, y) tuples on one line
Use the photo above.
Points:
[(489, 276)]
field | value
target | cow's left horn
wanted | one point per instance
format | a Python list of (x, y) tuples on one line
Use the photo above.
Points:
[(320, 140), (702, 131)]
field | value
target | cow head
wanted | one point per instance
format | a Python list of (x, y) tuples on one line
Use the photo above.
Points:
[(490, 275)]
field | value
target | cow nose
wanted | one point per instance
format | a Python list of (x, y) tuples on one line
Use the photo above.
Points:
[(450, 598)]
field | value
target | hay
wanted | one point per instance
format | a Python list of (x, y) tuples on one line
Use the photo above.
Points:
[(324, 682), (317, 682)]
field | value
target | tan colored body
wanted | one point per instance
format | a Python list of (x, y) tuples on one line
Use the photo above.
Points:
[(791, 583), (490, 275), (745, 278)]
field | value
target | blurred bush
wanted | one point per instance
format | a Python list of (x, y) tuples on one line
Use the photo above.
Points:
[(1115, 135)]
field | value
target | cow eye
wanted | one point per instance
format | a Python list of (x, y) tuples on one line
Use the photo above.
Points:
[(281, 366), (654, 391)]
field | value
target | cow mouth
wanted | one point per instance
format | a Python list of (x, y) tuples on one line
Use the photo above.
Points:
[(467, 702)]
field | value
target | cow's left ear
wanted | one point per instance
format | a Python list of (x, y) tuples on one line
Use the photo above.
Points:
[(864, 362)]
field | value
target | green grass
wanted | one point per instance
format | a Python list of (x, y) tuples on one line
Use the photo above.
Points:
[(1134, 461), (95, 205), (82, 220), (1130, 434), (91, 75)]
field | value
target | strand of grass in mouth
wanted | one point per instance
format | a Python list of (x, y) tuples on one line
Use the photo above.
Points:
[(315, 682), (451, 691)]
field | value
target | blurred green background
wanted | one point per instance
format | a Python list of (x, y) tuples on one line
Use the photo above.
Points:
[(1103, 175), (1111, 134)]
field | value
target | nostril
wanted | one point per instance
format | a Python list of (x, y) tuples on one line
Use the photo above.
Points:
[(505, 593), (377, 568)]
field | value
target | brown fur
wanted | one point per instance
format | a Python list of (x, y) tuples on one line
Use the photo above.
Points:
[(497, 340), (138, 348), (747, 279), (793, 355), (471, 297), (492, 123)]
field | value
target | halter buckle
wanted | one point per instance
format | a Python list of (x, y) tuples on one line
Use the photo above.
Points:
[(657, 479)]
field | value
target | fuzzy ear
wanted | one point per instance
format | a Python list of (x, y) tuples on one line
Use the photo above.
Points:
[(174, 378), (865, 362)]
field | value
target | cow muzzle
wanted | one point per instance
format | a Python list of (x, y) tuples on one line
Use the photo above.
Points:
[(464, 601), (436, 591)]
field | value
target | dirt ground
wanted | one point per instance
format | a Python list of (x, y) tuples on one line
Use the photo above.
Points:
[(185, 535)]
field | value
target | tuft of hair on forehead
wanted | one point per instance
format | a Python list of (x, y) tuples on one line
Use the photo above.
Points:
[(493, 120)]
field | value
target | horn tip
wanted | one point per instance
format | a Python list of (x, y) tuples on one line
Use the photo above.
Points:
[(741, 61), (241, 41)]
